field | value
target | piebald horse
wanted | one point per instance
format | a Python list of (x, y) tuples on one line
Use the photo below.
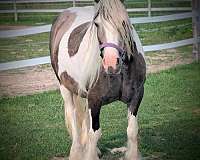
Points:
[(98, 58)]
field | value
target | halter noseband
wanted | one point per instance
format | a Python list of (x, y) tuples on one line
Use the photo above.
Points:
[(120, 50)]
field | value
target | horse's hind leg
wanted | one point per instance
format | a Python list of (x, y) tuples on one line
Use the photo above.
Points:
[(72, 124)]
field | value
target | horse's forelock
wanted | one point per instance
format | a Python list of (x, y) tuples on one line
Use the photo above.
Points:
[(115, 13)]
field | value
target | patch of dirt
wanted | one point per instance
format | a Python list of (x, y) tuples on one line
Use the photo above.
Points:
[(27, 81), (153, 68), (13, 27), (42, 78), (196, 111)]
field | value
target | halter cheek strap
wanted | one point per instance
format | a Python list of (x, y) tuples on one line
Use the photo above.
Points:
[(104, 45)]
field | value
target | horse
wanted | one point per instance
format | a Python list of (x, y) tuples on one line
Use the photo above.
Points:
[(98, 58)]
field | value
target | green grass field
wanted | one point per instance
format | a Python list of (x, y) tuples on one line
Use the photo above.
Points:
[(32, 127)]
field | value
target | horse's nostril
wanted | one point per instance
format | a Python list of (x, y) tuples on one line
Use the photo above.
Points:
[(118, 61), (110, 70)]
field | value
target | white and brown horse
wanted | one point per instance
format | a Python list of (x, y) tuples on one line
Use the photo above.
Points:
[(98, 58)]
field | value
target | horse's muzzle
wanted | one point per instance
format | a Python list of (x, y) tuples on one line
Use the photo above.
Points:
[(112, 56), (116, 69)]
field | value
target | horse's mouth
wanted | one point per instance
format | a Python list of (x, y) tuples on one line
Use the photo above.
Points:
[(111, 71)]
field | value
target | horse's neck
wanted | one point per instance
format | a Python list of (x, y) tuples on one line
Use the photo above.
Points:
[(87, 59)]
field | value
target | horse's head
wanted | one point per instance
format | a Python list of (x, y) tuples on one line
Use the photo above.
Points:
[(111, 23), (109, 42)]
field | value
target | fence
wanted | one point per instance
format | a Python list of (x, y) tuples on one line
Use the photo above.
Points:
[(46, 28), (46, 60), (149, 9)]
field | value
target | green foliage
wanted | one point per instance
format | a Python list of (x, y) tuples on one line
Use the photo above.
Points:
[(32, 127)]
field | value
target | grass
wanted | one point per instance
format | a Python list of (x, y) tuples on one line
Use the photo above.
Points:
[(163, 32), (32, 127), (24, 47), (28, 19)]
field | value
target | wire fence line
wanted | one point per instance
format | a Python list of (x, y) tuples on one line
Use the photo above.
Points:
[(148, 3), (46, 28), (55, 1), (128, 10), (43, 1), (46, 59)]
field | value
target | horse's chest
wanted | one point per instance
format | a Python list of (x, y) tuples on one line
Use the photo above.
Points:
[(106, 90), (110, 88)]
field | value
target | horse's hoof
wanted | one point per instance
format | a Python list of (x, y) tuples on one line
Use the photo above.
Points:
[(118, 150)]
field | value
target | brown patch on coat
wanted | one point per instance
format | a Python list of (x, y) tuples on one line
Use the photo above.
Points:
[(76, 37), (71, 84), (60, 26)]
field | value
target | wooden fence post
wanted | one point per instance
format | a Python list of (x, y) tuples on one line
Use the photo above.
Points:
[(74, 3), (149, 8), (196, 28), (15, 10)]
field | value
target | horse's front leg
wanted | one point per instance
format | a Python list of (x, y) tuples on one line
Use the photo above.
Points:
[(132, 152), (92, 151), (72, 124)]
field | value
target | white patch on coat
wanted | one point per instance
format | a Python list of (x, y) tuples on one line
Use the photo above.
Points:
[(91, 150), (71, 122), (132, 144), (84, 65)]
